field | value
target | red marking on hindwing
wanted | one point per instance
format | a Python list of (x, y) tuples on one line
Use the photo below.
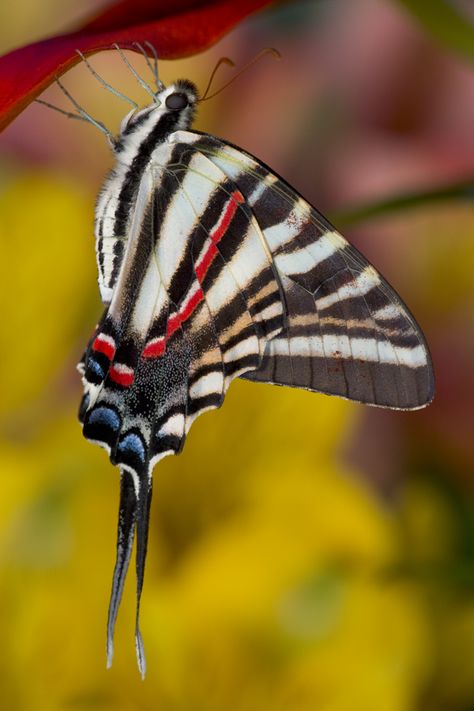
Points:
[(220, 229), (189, 306), (174, 322), (203, 264), (122, 374), (156, 347), (104, 344)]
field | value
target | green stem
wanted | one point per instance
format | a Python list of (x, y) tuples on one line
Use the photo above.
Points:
[(458, 191)]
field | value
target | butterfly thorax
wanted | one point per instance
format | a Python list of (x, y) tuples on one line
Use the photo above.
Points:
[(141, 132)]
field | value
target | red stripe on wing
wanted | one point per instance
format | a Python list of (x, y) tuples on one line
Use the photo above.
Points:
[(202, 266), (157, 346), (154, 348), (217, 234), (189, 306), (220, 229)]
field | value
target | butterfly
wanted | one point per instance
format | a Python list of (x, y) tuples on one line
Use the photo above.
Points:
[(211, 267)]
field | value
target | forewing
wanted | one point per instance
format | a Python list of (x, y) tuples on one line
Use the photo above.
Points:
[(347, 333)]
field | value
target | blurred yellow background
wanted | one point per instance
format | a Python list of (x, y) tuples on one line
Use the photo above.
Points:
[(305, 553)]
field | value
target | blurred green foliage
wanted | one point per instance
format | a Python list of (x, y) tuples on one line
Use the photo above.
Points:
[(446, 24), (461, 191)]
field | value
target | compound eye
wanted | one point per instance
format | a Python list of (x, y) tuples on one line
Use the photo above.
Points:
[(176, 101)]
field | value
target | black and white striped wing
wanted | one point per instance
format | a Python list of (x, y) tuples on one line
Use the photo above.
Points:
[(347, 332), (224, 271), (194, 304)]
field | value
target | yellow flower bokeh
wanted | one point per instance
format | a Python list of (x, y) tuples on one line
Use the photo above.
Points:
[(47, 259)]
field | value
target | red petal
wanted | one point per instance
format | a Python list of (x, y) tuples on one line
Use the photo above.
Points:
[(176, 28)]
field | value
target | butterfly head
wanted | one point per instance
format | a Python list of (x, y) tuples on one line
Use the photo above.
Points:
[(173, 109)]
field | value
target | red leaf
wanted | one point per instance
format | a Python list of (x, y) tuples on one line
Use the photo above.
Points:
[(176, 28)]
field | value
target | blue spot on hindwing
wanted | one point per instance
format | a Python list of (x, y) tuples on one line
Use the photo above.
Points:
[(132, 443), (105, 416), (102, 424)]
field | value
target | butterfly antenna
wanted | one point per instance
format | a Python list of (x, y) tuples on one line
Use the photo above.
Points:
[(220, 62), (152, 67), (82, 114), (141, 81), (105, 84), (125, 535), (268, 50)]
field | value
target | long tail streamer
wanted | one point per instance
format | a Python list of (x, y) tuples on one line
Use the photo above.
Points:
[(134, 514)]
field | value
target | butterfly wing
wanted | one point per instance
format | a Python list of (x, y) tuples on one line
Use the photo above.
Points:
[(347, 332), (194, 304), (227, 272)]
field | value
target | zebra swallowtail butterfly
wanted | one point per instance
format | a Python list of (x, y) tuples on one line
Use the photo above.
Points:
[(211, 267)]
